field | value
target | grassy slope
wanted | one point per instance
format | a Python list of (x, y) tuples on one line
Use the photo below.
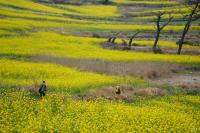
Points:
[(50, 43), (58, 77), (41, 13), (58, 111)]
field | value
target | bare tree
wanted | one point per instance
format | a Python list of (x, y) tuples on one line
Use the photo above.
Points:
[(109, 39), (193, 15), (124, 42), (113, 39), (125, 45), (159, 28), (131, 39)]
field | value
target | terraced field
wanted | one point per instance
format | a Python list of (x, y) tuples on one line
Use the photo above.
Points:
[(66, 45)]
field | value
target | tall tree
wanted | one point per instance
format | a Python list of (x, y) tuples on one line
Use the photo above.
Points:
[(159, 28), (194, 8)]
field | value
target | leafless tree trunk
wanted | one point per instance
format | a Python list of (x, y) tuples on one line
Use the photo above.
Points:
[(113, 39), (131, 39), (191, 17), (109, 39), (125, 45), (159, 28), (124, 42)]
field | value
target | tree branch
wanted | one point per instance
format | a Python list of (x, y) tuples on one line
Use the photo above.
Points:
[(169, 20), (135, 35)]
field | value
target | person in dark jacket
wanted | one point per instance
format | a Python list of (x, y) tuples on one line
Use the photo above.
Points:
[(42, 89)]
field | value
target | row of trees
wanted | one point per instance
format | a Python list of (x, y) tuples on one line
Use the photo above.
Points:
[(194, 8), (192, 15)]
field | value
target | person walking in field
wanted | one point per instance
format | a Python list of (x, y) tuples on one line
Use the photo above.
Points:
[(42, 89)]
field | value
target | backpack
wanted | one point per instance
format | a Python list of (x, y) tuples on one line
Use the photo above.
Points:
[(42, 88)]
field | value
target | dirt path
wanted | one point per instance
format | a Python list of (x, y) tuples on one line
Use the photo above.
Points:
[(128, 93), (189, 80)]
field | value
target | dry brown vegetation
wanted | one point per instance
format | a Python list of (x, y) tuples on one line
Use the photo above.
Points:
[(189, 81), (160, 73), (128, 93), (143, 69), (143, 48)]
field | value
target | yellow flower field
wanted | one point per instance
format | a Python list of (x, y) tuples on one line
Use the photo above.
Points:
[(81, 97), (59, 113), (24, 74), (54, 44), (89, 10)]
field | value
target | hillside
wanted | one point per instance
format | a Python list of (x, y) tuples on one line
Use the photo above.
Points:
[(82, 49)]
